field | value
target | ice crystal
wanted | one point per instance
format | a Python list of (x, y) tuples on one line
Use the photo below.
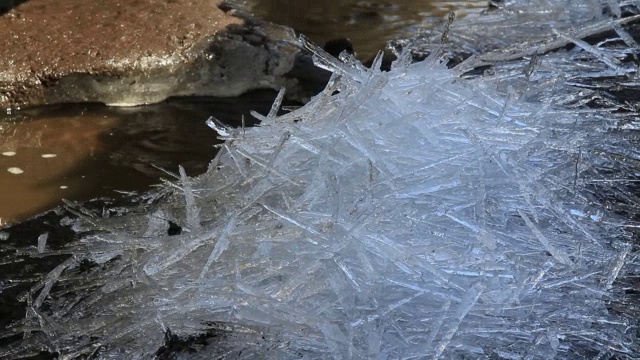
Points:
[(425, 212)]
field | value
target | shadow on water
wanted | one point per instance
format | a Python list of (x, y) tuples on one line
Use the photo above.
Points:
[(83, 151), (7, 5)]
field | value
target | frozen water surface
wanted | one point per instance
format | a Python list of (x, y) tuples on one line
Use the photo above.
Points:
[(482, 211)]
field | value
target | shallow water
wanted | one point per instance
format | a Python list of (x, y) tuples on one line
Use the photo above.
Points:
[(83, 151), (368, 24)]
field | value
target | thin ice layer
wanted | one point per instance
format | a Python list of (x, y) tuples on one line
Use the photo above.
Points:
[(406, 214)]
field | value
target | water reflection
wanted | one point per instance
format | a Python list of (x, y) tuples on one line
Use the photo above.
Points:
[(369, 24), (83, 151)]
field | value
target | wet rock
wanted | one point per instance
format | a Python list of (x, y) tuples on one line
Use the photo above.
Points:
[(136, 52)]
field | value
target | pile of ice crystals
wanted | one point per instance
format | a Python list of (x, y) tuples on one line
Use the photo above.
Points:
[(416, 213)]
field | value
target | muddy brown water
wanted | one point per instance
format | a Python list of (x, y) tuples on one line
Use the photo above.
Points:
[(368, 24), (83, 151)]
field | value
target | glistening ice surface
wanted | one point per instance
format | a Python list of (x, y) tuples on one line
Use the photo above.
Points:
[(425, 212)]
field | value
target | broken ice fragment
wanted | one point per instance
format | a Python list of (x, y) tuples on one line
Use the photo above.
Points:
[(221, 245), (42, 242), (558, 254), (192, 210), (219, 126)]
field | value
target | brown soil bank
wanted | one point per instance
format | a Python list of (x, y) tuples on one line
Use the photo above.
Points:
[(132, 52)]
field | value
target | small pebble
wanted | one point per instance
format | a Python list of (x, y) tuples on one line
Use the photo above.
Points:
[(9, 153), (48, 156), (63, 186), (15, 170)]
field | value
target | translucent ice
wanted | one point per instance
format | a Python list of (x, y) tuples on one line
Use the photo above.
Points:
[(425, 212)]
